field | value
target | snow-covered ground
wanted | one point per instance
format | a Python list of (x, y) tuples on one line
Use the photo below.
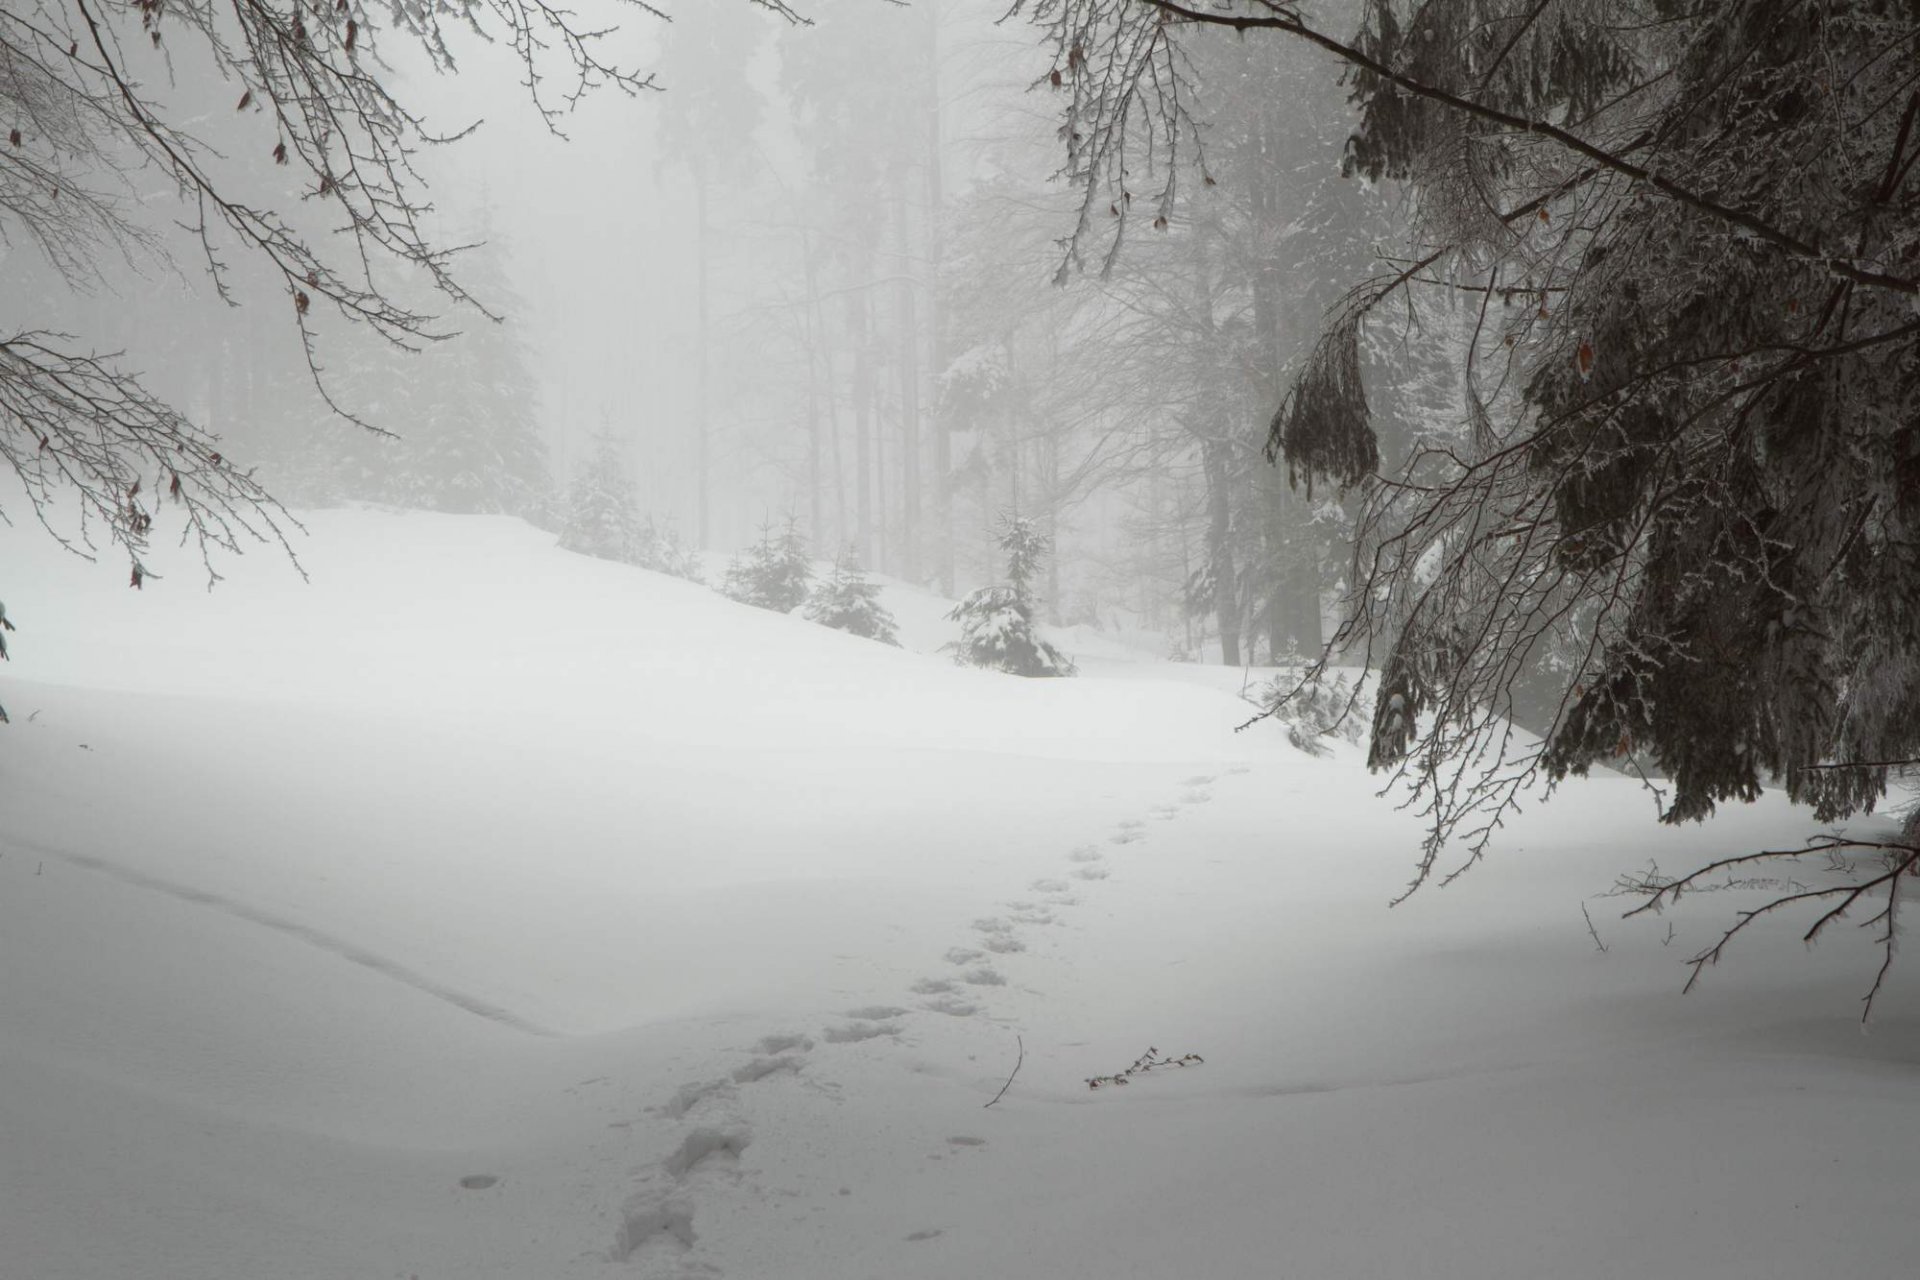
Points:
[(480, 910)]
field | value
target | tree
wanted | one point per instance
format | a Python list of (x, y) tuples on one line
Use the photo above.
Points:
[(996, 623), (773, 573), (849, 601), (263, 139), (471, 443), (602, 517), (1692, 237)]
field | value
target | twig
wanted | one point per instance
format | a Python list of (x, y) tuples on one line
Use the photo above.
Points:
[(1011, 1074), (1593, 932)]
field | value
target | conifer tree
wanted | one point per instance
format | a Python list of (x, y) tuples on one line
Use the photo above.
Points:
[(849, 601), (996, 623), (773, 573), (602, 518)]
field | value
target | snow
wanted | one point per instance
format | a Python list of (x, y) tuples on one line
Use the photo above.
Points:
[(705, 934)]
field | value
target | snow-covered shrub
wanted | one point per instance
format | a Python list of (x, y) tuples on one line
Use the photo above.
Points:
[(602, 518), (847, 601), (663, 552), (773, 573), (996, 631), (1312, 712), (996, 623)]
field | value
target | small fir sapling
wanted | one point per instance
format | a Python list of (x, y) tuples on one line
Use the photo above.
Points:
[(996, 623), (773, 573), (602, 517), (847, 601)]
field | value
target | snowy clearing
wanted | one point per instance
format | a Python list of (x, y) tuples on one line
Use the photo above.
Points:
[(482, 910)]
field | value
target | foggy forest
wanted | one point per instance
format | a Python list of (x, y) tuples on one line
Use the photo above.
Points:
[(765, 639)]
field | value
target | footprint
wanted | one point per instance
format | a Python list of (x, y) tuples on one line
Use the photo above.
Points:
[(966, 955), (1049, 886), (966, 1142), (1199, 780), (998, 936), (1165, 811), (931, 987), (927, 1234), (875, 1012), (1125, 837), (479, 1181), (984, 976), (855, 1032), (1032, 915), (693, 1094), (1132, 824), (1239, 768), (1085, 853), (1196, 797), (953, 1006), (646, 1220), (761, 1068), (780, 1044), (703, 1146), (1093, 873)]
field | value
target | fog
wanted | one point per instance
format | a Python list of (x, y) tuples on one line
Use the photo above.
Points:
[(1079, 638), (814, 266)]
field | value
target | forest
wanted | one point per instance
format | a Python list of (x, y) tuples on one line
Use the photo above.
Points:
[(467, 447)]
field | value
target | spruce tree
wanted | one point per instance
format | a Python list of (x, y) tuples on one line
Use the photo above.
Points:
[(602, 518), (848, 601), (772, 573), (997, 629)]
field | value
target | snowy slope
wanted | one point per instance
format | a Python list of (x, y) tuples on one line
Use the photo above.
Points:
[(696, 939)]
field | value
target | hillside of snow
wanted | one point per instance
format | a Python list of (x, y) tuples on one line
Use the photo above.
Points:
[(477, 910)]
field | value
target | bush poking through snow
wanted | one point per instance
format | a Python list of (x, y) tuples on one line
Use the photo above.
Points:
[(996, 623), (1314, 710), (774, 573), (1144, 1063), (847, 601), (603, 520)]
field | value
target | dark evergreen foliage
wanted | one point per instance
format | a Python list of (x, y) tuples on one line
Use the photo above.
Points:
[(849, 601), (996, 623), (773, 573), (1676, 520)]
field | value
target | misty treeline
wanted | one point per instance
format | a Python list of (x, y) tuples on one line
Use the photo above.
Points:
[(896, 356), (1583, 334), (1676, 504)]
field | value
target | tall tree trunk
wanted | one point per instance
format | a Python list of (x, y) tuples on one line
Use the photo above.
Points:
[(936, 336), (907, 344), (1226, 604), (702, 424), (862, 426), (824, 344)]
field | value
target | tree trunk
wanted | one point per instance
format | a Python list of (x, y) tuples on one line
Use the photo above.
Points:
[(1220, 550), (702, 442), (907, 344), (936, 338), (862, 426)]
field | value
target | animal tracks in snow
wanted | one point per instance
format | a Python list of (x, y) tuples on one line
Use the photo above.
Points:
[(657, 1223), (1002, 936)]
